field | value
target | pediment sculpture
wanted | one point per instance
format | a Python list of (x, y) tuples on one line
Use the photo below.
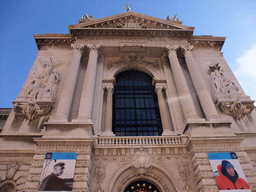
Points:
[(130, 20)]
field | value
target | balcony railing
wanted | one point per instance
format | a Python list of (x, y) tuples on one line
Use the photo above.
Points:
[(138, 141)]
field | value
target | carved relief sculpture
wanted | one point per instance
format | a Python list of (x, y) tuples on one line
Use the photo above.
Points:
[(31, 110), (12, 170), (141, 161), (222, 85), (44, 84), (100, 174), (227, 94), (184, 172), (133, 60)]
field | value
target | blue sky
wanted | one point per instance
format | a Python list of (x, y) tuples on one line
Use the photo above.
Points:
[(20, 19)]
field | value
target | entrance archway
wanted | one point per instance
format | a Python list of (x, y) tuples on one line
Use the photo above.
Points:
[(141, 186)]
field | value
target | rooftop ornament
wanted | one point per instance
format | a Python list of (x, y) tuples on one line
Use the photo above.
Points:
[(127, 8)]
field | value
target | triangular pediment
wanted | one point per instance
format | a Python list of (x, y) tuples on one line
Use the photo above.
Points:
[(131, 20)]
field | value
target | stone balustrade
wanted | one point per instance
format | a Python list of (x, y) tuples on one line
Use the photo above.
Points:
[(135, 141)]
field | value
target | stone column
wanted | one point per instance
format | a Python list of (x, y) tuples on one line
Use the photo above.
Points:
[(109, 112), (163, 111), (85, 108), (181, 84), (198, 81), (64, 105)]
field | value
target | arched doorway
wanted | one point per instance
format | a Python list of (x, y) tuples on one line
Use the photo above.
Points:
[(141, 186)]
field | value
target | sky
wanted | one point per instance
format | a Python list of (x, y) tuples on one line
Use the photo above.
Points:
[(21, 19)]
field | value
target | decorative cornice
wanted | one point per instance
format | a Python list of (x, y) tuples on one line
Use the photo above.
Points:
[(53, 39), (131, 32), (215, 143), (5, 111), (207, 41), (64, 144)]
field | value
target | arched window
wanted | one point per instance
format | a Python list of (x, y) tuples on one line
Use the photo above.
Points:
[(135, 106)]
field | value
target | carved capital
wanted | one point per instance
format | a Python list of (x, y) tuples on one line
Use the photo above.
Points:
[(109, 88), (94, 47), (160, 89), (171, 49), (188, 49), (77, 47)]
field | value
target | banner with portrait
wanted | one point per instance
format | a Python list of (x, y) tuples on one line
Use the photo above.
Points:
[(58, 172), (228, 172)]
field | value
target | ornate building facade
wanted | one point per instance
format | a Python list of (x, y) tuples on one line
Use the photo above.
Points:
[(140, 100)]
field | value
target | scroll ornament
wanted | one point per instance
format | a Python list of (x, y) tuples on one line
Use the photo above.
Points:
[(237, 109)]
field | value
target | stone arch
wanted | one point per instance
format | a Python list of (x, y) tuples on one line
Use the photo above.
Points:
[(8, 186), (166, 181), (141, 67)]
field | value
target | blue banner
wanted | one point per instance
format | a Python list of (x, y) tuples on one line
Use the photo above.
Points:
[(220, 156), (64, 156)]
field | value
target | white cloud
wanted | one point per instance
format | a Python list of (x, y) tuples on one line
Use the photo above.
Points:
[(246, 71)]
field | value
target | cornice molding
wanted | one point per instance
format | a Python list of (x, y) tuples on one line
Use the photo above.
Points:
[(215, 143)]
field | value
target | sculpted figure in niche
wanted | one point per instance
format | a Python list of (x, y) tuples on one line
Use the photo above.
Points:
[(221, 84)]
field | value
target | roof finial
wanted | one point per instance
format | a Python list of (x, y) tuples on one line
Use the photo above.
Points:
[(127, 8)]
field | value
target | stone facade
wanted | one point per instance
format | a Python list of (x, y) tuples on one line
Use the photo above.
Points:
[(66, 103)]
